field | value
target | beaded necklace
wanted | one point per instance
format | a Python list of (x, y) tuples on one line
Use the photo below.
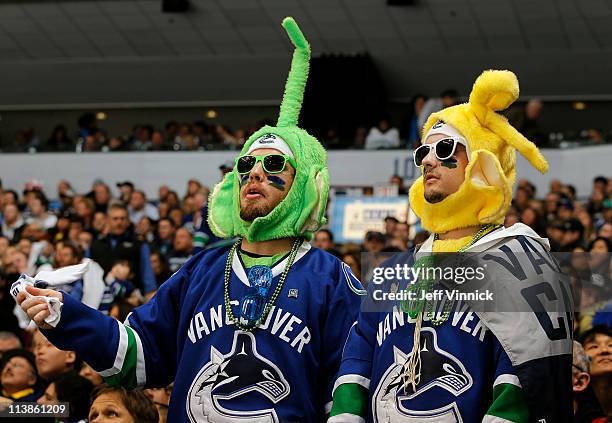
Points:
[(419, 308), (413, 308), (226, 278)]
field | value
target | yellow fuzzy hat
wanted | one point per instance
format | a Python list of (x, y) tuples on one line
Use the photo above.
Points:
[(485, 195)]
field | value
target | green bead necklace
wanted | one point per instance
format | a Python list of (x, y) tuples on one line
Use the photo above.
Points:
[(279, 287)]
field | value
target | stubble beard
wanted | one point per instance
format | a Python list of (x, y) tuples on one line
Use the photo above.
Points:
[(250, 212), (434, 197)]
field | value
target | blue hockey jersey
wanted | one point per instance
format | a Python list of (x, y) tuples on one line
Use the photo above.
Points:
[(511, 367), (282, 371)]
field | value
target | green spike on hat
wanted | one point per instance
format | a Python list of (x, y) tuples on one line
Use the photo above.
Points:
[(302, 211)]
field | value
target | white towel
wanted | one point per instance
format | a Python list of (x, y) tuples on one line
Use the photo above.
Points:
[(52, 278)]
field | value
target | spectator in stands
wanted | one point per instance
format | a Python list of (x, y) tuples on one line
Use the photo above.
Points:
[(157, 141), (69, 254), (120, 243), (390, 224), (72, 389), (324, 239), (521, 199), (171, 131), (139, 207), (38, 206), (597, 344), (382, 136), (401, 236), (126, 189), (12, 223), (600, 256), (526, 120), (144, 230), (19, 377), (572, 235), (401, 188), (159, 264), (50, 361), (117, 144), (554, 233), (142, 139), (164, 236), (605, 231), (121, 405), (531, 217), (59, 140), (551, 203), (182, 247), (184, 139), (201, 133), (374, 242), (101, 196), (8, 341), (176, 214), (447, 98), (84, 208), (586, 406)]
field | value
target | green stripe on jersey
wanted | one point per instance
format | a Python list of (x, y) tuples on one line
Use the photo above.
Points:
[(127, 376), (350, 398), (509, 403)]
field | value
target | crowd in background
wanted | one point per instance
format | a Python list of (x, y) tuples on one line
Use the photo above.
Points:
[(135, 243), (89, 136)]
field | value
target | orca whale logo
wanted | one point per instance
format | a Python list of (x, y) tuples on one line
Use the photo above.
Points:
[(267, 139), (229, 376), (439, 368)]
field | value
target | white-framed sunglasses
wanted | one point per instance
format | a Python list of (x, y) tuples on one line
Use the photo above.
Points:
[(443, 149)]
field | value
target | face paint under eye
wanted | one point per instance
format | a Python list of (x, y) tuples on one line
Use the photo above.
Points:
[(450, 163), (244, 179), (277, 182)]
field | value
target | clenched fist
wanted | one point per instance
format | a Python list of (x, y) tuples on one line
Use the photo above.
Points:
[(36, 308)]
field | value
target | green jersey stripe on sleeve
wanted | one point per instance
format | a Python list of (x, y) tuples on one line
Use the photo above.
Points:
[(350, 398), (509, 405)]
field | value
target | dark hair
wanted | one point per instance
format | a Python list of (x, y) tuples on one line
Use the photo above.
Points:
[(76, 391), (601, 238), (140, 407), (590, 334), (329, 233), (77, 251), (600, 179), (166, 219)]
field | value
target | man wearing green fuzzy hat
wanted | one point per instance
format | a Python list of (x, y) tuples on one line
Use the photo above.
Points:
[(252, 332)]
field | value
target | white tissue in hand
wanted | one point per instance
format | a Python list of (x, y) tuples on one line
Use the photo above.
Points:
[(52, 278)]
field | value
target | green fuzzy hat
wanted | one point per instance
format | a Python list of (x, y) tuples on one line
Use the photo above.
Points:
[(302, 211)]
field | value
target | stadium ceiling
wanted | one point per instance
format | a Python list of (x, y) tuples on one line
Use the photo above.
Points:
[(429, 46)]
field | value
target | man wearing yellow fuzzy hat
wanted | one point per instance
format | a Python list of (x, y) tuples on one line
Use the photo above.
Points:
[(424, 358)]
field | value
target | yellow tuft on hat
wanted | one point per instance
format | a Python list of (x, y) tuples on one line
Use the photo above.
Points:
[(485, 195)]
